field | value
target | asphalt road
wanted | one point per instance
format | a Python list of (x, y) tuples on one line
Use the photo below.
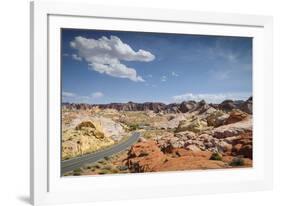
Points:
[(77, 162)]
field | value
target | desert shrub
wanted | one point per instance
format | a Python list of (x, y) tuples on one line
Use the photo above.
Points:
[(106, 158), (101, 172), (143, 154), (102, 162), (237, 161), (77, 170), (133, 127), (216, 156), (122, 167)]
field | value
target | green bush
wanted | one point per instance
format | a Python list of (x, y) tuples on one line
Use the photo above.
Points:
[(106, 158), (216, 156), (77, 170), (104, 172), (133, 127), (237, 161), (122, 167)]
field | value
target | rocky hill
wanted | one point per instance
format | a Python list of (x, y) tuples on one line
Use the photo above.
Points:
[(180, 136), (183, 107)]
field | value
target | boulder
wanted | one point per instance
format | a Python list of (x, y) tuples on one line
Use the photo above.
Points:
[(233, 129), (247, 106), (236, 116), (193, 148), (90, 128), (193, 124), (145, 156), (229, 159), (217, 118), (246, 151), (109, 127), (227, 105), (243, 145), (224, 147), (187, 106)]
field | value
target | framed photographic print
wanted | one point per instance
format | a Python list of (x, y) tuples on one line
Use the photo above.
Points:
[(163, 104)]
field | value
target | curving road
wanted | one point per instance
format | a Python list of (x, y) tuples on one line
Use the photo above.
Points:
[(77, 162)]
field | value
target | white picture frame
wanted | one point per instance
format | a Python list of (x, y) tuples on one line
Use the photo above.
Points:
[(46, 184)]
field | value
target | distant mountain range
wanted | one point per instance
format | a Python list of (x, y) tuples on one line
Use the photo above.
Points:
[(183, 107)]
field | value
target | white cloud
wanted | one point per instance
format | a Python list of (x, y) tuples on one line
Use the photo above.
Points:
[(212, 98), (97, 95), (76, 57), (68, 94), (104, 56), (163, 79), (175, 74)]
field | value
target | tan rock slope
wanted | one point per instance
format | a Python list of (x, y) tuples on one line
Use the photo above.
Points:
[(86, 137), (88, 133)]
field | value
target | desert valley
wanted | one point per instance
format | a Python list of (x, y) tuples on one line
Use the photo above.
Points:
[(154, 137)]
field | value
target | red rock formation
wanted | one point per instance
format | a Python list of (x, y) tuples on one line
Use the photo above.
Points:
[(184, 163), (236, 116), (147, 157), (243, 145)]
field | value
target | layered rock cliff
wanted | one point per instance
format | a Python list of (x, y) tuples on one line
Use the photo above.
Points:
[(183, 107)]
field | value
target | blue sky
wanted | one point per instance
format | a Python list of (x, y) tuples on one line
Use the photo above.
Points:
[(111, 66)]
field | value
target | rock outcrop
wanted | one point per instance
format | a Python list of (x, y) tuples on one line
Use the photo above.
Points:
[(217, 118), (82, 133), (146, 157), (86, 137), (234, 129), (193, 124), (247, 106), (232, 139), (235, 115)]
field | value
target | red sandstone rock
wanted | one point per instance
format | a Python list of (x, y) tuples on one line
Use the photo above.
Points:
[(235, 116), (147, 157)]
